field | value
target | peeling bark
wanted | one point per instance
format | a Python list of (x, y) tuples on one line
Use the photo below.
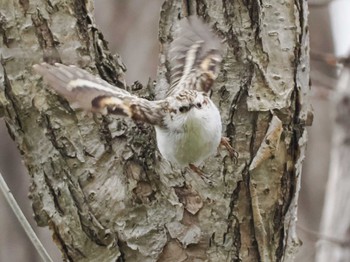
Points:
[(100, 183)]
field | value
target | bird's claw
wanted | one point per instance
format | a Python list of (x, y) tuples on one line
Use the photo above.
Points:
[(225, 141), (200, 173)]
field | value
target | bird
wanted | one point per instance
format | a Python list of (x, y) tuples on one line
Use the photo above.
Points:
[(187, 123)]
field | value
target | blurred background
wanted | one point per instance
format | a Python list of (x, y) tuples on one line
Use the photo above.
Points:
[(131, 27)]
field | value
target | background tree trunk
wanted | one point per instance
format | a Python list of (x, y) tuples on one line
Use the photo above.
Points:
[(99, 182), (334, 239)]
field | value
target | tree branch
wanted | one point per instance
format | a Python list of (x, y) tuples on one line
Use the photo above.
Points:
[(23, 221)]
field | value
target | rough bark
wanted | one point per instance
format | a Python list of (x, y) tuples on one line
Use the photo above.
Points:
[(99, 182), (334, 239)]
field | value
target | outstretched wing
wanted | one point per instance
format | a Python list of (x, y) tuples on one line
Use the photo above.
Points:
[(89, 92), (194, 56)]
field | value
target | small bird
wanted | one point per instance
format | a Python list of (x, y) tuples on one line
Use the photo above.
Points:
[(187, 122)]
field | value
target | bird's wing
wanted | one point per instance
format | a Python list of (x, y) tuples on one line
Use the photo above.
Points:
[(89, 92), (194, 57)]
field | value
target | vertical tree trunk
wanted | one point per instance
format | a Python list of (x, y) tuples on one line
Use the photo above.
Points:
[(334, 240), (100, 183)]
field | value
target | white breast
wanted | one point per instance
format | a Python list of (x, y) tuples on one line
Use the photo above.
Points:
[(195, 139)]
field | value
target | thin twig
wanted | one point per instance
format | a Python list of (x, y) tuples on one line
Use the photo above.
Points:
[(320, 3), (23, 220), (320, 77), (327, 58), (320, 236), (330, 59)]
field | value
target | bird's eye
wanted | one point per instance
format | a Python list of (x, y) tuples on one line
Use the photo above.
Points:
[(199, 105), (183, 109)]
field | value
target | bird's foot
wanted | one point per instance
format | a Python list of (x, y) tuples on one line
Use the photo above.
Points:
[(200, 173), (225, 141)]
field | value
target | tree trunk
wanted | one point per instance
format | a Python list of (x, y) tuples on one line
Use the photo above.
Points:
[(334, 240), (99, 182)]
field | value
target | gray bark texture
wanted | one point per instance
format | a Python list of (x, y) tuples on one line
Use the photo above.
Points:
[(99, 182)]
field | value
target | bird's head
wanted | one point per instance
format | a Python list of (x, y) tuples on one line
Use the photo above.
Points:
[(186, 105)]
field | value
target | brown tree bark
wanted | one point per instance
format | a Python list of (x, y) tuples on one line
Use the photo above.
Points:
[(100, 183)]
